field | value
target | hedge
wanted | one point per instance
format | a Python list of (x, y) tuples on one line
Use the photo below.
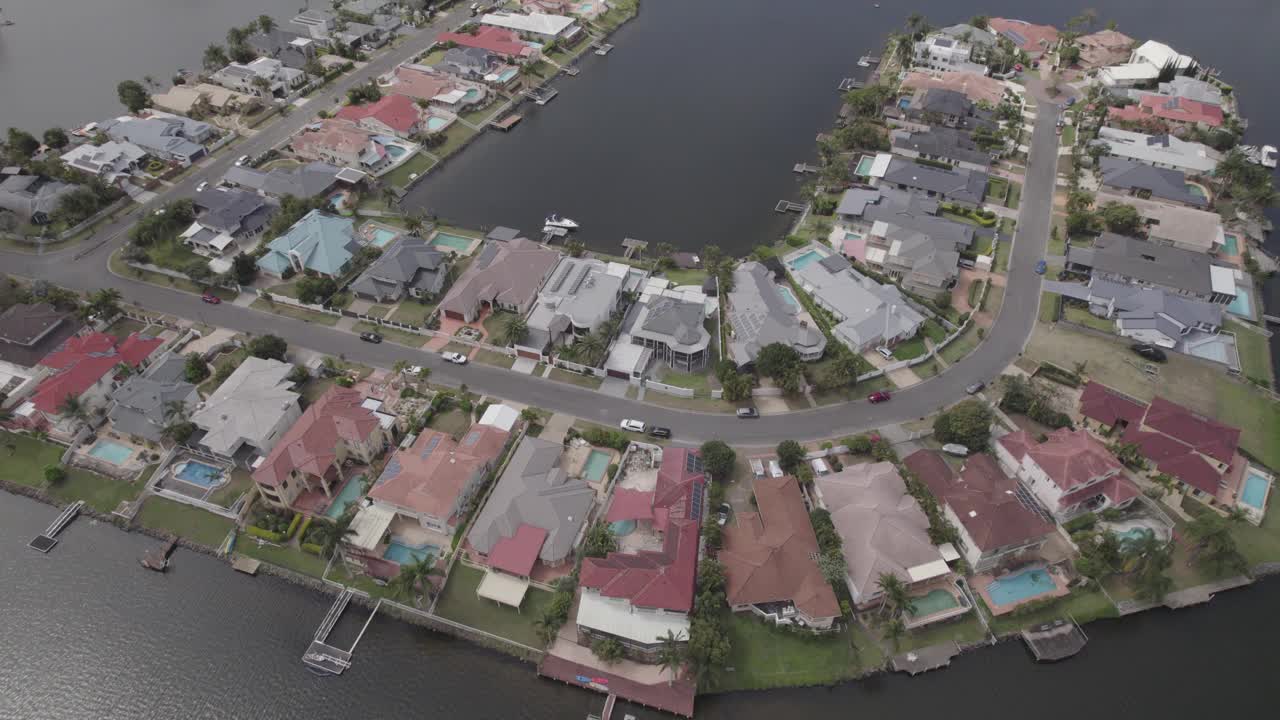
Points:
[(1059, 375), (302, 530), (293, 525), (258, 532), (312, 548)]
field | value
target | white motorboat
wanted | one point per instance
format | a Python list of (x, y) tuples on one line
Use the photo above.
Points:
[(1264, 155), (1269, 156), (556, 221)]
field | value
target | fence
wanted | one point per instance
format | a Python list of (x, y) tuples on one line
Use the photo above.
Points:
[(72, 232), (668, 389), (579, 368)]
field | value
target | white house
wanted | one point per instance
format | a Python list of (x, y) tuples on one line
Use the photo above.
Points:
[(534, 26), (1070, 473)]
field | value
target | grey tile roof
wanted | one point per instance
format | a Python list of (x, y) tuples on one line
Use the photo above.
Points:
[(32, 195), (1159, 308), (468, 62), (503, 234), (1159, 149), (1161, 183), (141, 405), (947, 102), (580, 292), (165, 136), (953, 185), (1145, 262), (248, 407), (676, 323), (869, 313), (910, 211), (977, 36), (233, 211), (759, 317), (534, 490), (854, 201), (407, 262), (301, 182), (941, 142)]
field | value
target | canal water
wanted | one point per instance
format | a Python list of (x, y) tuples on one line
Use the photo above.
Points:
[(87, 633)]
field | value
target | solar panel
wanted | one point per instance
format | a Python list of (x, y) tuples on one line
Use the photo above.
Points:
[(431, 446), (695, 504), (693, 463), (471, 438)]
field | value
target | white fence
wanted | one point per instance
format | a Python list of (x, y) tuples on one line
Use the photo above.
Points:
[(668, 389)]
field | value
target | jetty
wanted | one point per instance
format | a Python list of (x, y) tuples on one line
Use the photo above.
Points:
[(785, 206), (45, 541), (542, 96), (633, 248), (246, 565), (926, 659), (551, 234), (158, 558), (1055, 640), (572, 71), (327, 659), (508, 122), (803, 168), (602, 48)]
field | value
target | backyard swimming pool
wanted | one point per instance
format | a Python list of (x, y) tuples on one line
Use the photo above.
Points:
[(382, 236), (1196, 190), (1133, 534), (457, 243), (395, 151), (435, 122), (802, 261), (1242, 305), (506, 75), (597, 466), (349, 494), (1254, 493), (864, 166), (1232, 244), (788, 297), (112, 452), (198, 473), (622, 528), (1022, 586), (934, 601), (335, 200), (404, 554)]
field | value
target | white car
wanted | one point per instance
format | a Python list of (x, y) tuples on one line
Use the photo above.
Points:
[(244, 160), (201, 187), (885, 352), (633, 426), (415, 370), (455, 358)]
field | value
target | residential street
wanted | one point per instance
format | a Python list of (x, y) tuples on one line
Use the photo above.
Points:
[(1003, 342)]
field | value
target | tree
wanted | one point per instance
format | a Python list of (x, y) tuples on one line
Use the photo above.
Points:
[(244, 269), (832, 565), (21, 146), (266, 23), (896, 601), (329, 535), (775, 359), (54, 475), (215, 58), (414, 580), (313, 67), (718, 459), (868, 102), (711, 257), (132, 95), (894, 631), (1147, 558), (268, 347), (979, 21), (608, 650), (1100, 555), (1215, 545), (195, 370), (73, 408), (599, 541), (1069, 55), (513, 331), (1120, 218), (1129, 454), (103, 304), (737, 387), (531, 415), (671, 654), (790, 455), (56, 138), (843, 370), (968, 423), (316, 289), (862, 135)]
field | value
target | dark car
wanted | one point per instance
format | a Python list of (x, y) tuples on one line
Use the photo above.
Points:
[(371, 337), (211, 298), (878, 396), (1041, 267), (975, 388), (659, 432), (748, 413), (1150, 352)]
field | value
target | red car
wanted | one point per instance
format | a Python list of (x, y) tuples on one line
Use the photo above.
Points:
[(878, 397), (211, 298)]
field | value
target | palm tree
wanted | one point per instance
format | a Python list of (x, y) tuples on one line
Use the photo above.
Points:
[(331, 534), (903, 49), (531, 414), (215, 57), (513, 330), (671, 655), (73, 408), (417, 576), (1147, 558), (894, 631), (895, 594), (266, 23), (389, 197), (591, 346), (413, 224)]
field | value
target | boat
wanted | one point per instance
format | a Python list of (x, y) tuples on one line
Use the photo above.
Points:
[(1264, 155), (556, 221)]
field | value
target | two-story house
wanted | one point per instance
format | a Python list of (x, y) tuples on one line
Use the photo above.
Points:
[(1070, 473)]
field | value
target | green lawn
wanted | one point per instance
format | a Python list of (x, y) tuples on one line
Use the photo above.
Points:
[(1255, 354), (455, 135), (685, 277), (1069, 135), (1257, 416), (698, 382), (172, 254), (124, 327), (926, 369), (378, 311), (433, 57), (412, 312), (1083, 605), (191, 523), (295, 313), (574, 378), (459, 603), (1081, 316), (1015, 195), (1002, 253), (240, 483), (962, 345), (496, 359), (910, 349), (997, 187), (455, 422), (767, 657), (494, 323), (1049, 306), (23, 460), (480, 116), (934, 331), (967, 629), (975, 292), (121, 268), (416, 165), (399, 337), (851, 394), (1257, 544), (287, 557)]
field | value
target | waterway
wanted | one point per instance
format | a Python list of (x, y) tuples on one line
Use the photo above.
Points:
[(87, 633)]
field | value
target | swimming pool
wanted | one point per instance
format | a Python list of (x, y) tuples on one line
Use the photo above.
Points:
[(335, 200), (788, 298), (1133, 534), (1196, 190), (864, 166), (435, 122), (904, 103), (622, 528), (1242, 305), (934, 601), (198, 473), (471, 94), (382, 236), (456, 243), (348, 494), (1254, 493), (597, 466), (1232, 244), (404, 554), (1022, 586), (852, 236), (112, 452), (506, 75), (803, 261), (395, 151)]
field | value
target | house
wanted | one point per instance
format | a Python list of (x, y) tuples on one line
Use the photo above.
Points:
[(1148, 182), (964, 32), (1103, 48), (368, 7), (769, 560), (867, 314), (958, 186), (974, 86), (1161, 151), (304, 469), (315, 24), (470, 63), (320, 243), (1070, 473), (166, 137), (675, 331), (33, 198), (1186, 228), (638, 598), (579, 296), (759, 316), (434, 480), (408, 266), (535, 512), (1153, 315), (899, 234), (1146, 64), (264, 77), (935, 106), (30, 331), (111, 161), (226, 215), (539, 27), (249, 413), (1161, 56), (1193, 89), (941, 144), (1034, 40), (504, 276), (305, 181), (442, 90), (202, 98), (882, 528), (1128, 260), (1174, 111), (945, 53), (391, 114), (503, 43), (85, 367), (343, 143), (290, 48), (995, 520), (1200, 453), (148, 403)]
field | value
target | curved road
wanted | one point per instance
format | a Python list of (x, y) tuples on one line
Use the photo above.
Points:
[(1003, 342)]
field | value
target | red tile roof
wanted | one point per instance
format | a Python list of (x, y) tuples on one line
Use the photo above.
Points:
[(1101, 403), (1178, 109), (679, 478), (1118, 489), (769, 556), (1035, 39), (428, 476), (518, 553), (82, 361), (310, 445), (630, 504), (494, 39), (1069, 457), (397, 112), (1208, 437)]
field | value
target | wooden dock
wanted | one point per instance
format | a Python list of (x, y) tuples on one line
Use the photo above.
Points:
[(552, 234), (803, 168), (45, 541), (572, 71), (543, 96), (603, 49), (508, 122), (1056, 640), (158, 558), (633, 248), (785, 206), (246, 565), (326, 659)]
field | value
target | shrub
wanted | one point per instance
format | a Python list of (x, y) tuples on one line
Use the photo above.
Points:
[(293, 525), (858, 444), (606, 438), (258, 532), (311, 548), (1083, 522), (796, 241), (613, 469)]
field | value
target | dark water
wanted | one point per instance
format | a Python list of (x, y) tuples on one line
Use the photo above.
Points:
[(87, 633)]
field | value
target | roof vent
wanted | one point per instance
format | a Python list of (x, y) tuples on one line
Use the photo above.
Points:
[(973, 513)]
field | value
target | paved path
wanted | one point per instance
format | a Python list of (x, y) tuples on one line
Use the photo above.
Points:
[(1003, 344)]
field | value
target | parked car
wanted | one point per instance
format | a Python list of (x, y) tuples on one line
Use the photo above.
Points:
[(885, 352), (747, 413), (722, 516), (659, 432), (371, 337), (455, 358), (1041, 267), (210, 298), (242, 161), (975, 388), (878, 396), (201, 187), (1150, 352), (633, 425), (1018, 67), (955, 449), (415, 370)]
